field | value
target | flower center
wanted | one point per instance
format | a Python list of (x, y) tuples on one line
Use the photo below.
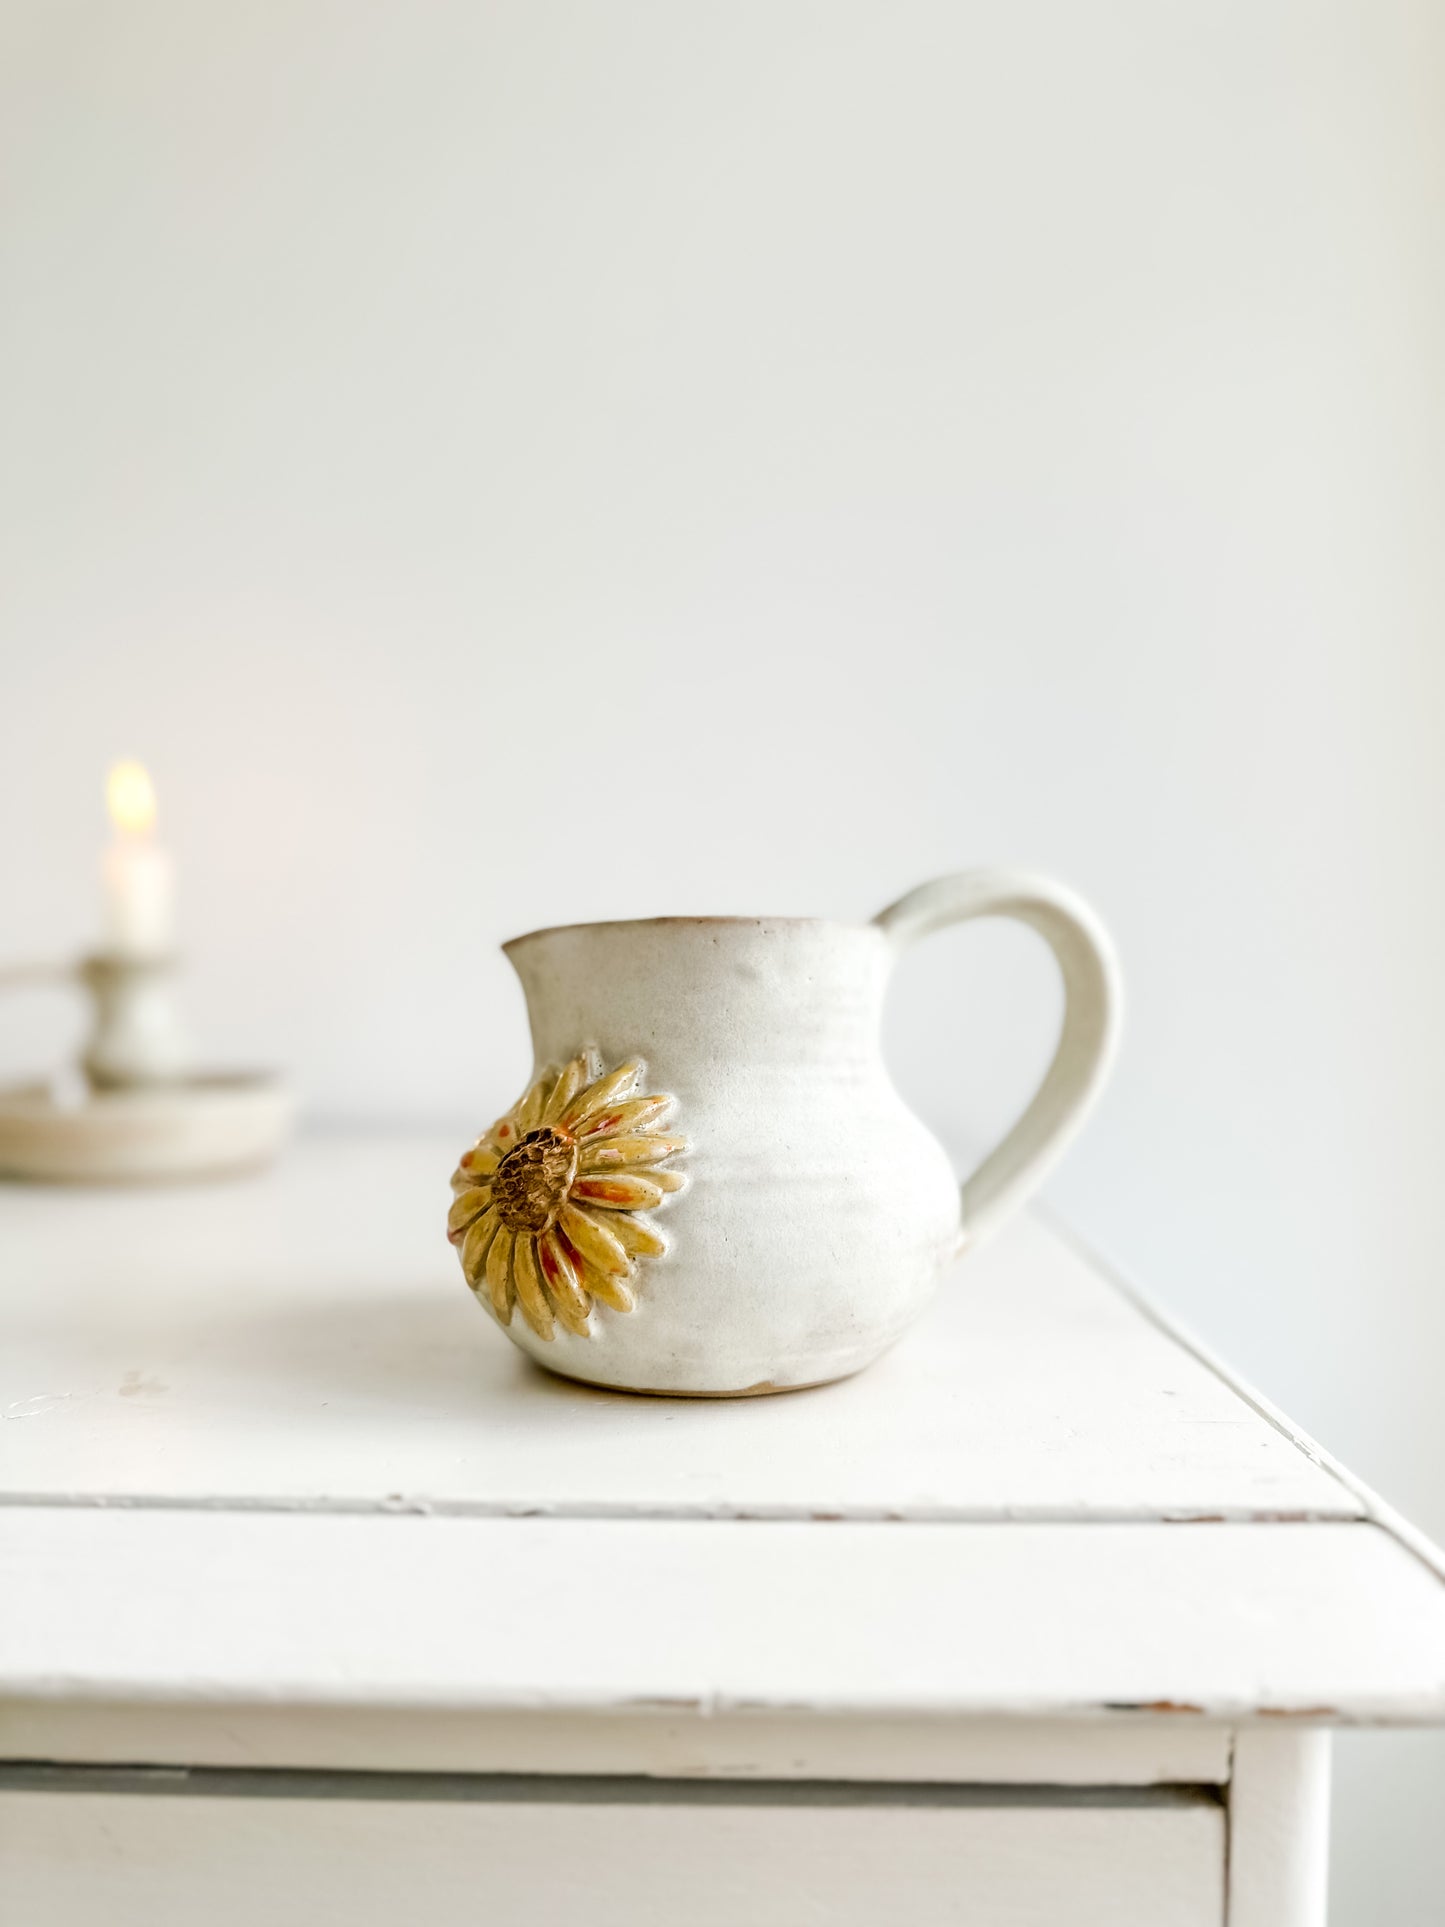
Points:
[(533, 1180)]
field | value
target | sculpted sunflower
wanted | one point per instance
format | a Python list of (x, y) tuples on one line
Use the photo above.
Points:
[(549, 1203)]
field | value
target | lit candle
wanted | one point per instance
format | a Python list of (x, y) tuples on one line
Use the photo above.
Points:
[(137, 871)]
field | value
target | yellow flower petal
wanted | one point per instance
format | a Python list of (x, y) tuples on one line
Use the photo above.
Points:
[(638, 1235), (530, 1295), (529, 1111), (574, 1076), (499, 1274), (617, 1083), (560, 1272), (622, 1191), (615, 1153), (669, 1180), (467, 1206), (591, 1237), (631, 1114), (475, 1165), (609, 1289), (474, 1246)]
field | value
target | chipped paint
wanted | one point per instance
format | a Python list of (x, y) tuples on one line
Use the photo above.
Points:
[(1168, 1707)]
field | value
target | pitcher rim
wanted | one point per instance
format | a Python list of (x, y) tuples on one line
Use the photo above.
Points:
[(643, 923)]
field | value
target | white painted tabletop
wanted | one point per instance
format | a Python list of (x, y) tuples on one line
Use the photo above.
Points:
[(232, 1414), (305, 1339)]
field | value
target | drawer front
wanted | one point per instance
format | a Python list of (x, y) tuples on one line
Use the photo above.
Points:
[(602, 1854)]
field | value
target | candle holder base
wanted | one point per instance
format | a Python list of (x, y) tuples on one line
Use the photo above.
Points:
[(193, 1127)]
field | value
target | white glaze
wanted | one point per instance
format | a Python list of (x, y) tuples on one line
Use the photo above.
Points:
[(818, 1211)]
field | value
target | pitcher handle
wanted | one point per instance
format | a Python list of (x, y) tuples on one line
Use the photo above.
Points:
[(1087, 1039)]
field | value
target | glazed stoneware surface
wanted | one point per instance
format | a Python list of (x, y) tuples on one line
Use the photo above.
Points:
[(711, 1186)]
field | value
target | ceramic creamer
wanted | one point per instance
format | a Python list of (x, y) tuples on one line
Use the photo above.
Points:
[(710, 1186)]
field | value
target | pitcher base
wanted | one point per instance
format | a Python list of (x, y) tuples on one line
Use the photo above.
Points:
[(766, 1389)]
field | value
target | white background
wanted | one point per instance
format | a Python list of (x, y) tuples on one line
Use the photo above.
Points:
[(509, 463)]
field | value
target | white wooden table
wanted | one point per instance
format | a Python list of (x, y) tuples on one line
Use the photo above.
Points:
[(317, 1602)]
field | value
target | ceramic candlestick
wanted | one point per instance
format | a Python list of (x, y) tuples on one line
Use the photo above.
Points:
[(137, 1038), (141, 1114)]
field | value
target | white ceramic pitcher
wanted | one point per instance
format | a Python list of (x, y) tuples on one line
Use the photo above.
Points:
[(711, 1186)]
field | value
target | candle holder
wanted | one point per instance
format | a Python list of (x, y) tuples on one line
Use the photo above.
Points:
[(139, 1112), (137, 1038)]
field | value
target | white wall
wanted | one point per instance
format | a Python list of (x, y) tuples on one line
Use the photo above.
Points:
[(506, 463)]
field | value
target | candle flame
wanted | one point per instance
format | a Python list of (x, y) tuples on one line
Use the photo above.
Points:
[(131, 798)]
